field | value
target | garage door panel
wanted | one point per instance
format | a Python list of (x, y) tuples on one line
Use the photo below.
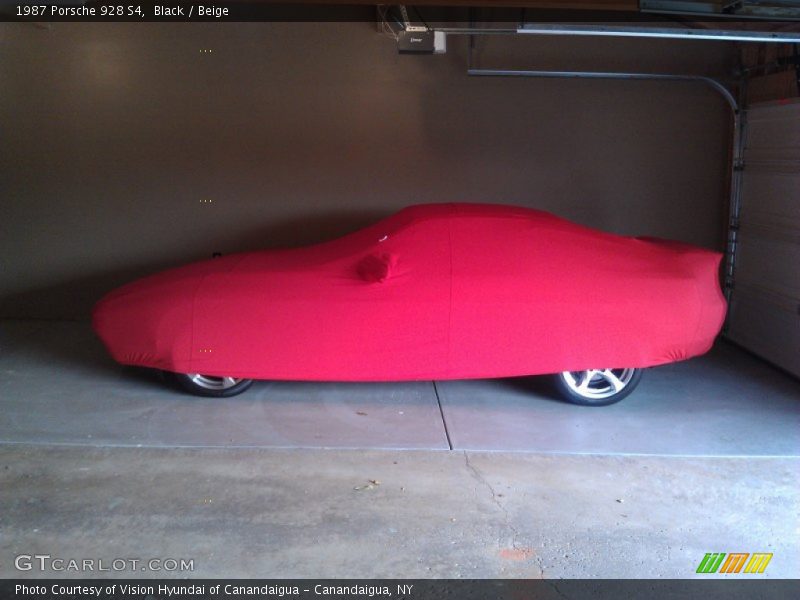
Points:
[(764, 324), (769, 264), (773, 189), (765, 305), (773, 133)]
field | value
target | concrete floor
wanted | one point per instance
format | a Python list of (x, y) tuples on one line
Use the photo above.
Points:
[(59, 386), (297, 513), (276, 483)]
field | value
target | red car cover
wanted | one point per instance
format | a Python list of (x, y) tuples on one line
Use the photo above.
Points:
[(438, 291)]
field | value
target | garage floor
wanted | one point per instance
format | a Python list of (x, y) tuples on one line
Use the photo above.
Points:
[(702, 458), (60, 387)]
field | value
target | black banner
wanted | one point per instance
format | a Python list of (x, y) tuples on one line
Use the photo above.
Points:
[(396, 589), (179, 11)]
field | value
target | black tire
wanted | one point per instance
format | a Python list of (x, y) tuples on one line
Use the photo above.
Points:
[(600, 394), (210, 386)]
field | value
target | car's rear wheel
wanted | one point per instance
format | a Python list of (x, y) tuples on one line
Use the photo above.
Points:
[(211, 385), (597, 387)]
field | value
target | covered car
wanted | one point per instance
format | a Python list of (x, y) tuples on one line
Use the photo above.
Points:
[(438, 291)]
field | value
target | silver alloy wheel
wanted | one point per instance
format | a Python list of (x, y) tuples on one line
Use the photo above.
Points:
[(211, 382), (597, 384)]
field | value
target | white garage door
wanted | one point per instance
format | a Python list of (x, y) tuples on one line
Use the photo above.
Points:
[(765, 308)]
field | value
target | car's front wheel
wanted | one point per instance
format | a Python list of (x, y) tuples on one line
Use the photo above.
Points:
[(597, 387), (211, 385)]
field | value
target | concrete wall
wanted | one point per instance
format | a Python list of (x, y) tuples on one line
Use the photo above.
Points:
[(112, 135)]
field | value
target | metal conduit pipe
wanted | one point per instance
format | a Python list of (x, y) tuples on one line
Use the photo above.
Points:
[(675, 33), (729, 97)]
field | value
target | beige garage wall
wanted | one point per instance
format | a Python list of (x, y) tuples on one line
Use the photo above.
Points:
[(112, 135)]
